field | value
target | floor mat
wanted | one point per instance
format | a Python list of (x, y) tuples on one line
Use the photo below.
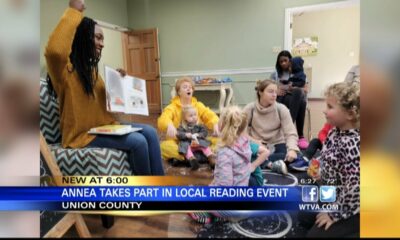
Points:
[(277, 179), (275, 224)]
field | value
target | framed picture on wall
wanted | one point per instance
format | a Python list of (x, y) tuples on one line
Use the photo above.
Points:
[(307, 46)]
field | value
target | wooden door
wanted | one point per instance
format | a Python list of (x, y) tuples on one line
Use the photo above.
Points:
[(141, 59)]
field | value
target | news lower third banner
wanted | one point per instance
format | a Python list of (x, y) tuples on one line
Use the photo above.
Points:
[(149, 198), (157, 198)]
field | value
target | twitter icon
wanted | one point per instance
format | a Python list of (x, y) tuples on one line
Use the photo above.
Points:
[(327, 194)]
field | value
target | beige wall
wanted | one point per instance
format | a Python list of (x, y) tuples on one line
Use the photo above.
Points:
[(112, 52), (338, 32), (122, 12), (317, 117)]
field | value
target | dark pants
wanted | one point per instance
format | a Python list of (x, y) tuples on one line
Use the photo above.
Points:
[(253, 182), (143, 148), (315, 144), (278, 154), (296, 102), (343, 228)]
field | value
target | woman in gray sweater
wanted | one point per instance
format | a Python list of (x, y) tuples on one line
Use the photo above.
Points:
[(270, 124)]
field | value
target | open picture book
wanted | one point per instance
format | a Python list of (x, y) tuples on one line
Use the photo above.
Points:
[(125, 94), (114, 129)]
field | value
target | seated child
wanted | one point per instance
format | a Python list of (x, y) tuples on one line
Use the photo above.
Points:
[(298, 77), (233, 165), (259, 154), (340, 156), (192, 137)]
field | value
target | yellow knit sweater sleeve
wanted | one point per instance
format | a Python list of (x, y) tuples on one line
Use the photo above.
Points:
[(166, 118), (59, 45)]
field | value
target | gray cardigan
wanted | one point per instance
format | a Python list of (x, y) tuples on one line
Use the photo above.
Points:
[(185, 142)]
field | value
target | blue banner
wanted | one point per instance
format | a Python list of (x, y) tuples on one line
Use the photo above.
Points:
[(156, 193), (154, 198)]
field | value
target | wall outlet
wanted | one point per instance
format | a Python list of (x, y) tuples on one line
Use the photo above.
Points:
[(276, 49)]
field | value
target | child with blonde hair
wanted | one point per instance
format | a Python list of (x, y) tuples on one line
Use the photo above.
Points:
[(234, 153), (192, 137), (233, 165), (340, 162)]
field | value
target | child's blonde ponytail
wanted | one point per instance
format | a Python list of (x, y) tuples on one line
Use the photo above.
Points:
[(234, 123)]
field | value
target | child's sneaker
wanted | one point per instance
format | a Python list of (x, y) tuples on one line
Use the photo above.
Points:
[(201, 217), (303, 144), (175, 162), (279, 167), (300, 164)]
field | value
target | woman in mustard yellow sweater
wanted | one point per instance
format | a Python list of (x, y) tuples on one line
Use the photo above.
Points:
[(171, 117), (72, 55)]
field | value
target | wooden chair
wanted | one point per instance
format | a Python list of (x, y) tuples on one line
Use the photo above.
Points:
[(79, 161), (70, 219)]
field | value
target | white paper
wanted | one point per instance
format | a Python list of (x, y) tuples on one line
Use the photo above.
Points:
[(125, 94)]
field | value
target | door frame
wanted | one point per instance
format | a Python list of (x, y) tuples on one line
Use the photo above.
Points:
[(289, 12)]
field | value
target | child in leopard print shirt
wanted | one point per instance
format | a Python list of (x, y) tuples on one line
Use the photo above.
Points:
[(340, 162)]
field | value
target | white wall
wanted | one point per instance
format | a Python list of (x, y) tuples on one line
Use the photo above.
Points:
[(338, 32)]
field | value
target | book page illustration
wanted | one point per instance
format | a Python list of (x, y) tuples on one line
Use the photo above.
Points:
[(136, 96), (125, 94), (114, 91)]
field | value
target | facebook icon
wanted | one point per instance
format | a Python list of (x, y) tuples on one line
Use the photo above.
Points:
[(309, 194)]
